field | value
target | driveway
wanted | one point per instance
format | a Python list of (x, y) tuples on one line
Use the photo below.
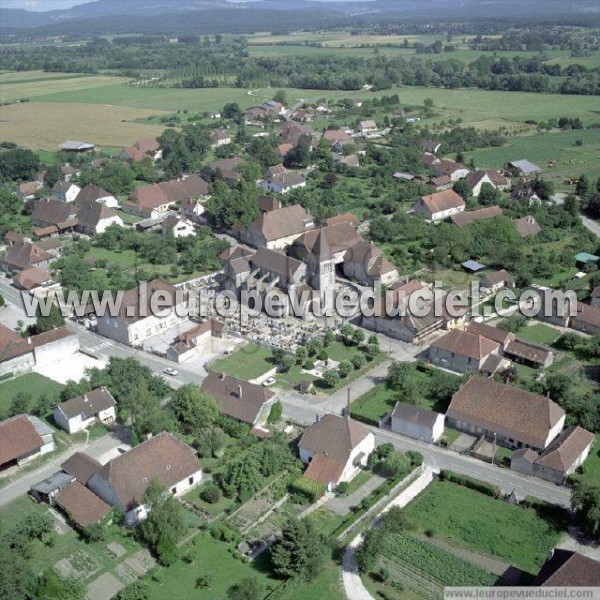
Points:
[(342, 505)]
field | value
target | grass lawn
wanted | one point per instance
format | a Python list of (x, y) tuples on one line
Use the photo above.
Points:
[(325, 520), (451, 435), (539, 334), (212, 509), (374, 404), (125, 260), (462, 516), (249, 362), (30, 383), (358, 481), (327, 584), (591, 467), (212, 558)]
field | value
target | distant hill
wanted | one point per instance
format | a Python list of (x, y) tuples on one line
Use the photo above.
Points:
[(106, 16)]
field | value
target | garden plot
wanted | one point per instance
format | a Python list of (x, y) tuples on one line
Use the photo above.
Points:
[(79, 564)]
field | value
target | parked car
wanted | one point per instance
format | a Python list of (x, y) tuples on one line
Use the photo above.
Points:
[(269, 381), (170, 371)]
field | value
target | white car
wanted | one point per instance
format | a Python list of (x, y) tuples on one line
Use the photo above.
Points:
[(170, 371), (269, 381)]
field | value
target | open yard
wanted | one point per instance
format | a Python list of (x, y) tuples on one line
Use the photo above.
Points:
[(248, 362), (30, 383), (518, 535), (539, 334), (45, 125)]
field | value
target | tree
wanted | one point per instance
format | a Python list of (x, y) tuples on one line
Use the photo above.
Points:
[(193, 408), (583, 186), (18, 164), (368, 551), (461, 187), (346, 332), (585, 502), (53, 176), (488, 194), (211, 494), (345, 368), (287, 362), (52, 320), (275, 413), (301, 355), (18, 580), (314, 346), (43, 405), (328, 337), (358, 361), (205, 581), (210, 441), (145, 410), (331, 377), (372, 351), (21, 403), (246, 589), (396, 464), (402, 378), (298, 553), (281, 97), (54, 587), (165, 523), (241, 480), (358, 336)]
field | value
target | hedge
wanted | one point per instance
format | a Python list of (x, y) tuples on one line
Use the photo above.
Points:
[(308, 488), (468, 482)]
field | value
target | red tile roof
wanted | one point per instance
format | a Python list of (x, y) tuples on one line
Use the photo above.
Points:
[(19, 438)]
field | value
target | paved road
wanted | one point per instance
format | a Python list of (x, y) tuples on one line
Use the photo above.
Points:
[(591, 224), (22, 485)]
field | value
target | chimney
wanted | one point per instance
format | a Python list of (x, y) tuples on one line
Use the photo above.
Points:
[(29, 341), (239, 391), (222, 376)]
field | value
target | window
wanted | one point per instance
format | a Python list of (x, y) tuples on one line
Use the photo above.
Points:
[(191, 480), (174, 490)]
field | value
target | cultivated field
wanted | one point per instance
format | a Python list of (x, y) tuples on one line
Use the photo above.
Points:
[(41, 125)]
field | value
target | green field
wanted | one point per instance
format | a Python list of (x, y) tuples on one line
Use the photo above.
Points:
[(591, 467), (30, 383), (539, 334), (248, 362), (518, 535), (374, 404)]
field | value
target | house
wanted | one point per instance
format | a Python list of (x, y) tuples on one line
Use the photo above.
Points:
[(179, 226), (527, 226), (587, 319), (77, 146), (566, 568), (122, 482), (429, 146), (467, 218), (472, 266), (268, 203), (31, 279), (526, 195), (279, 169), (417, 423), (500, 336), (364, 262), (50, 212), (496, 281), (141, 150), (47, 489), (559, 460), (284, 183), (338, 138), (153, 200), (439, 184), (220, 138), (27, 190), (451, 168), (439, 205), (185, 344), (513, 417), (529, 354), (94, 218), (347, 218), (19, 355), (351, 160), (65, 191), (278, 228), (522, 168), (238, 399), (23, 255), (81, 412), (81, 505), (462, 351), (24, 437), (595, 296), (367, 127), (335, 448), (135, 322), (12, 237), (69, 171), (499, 180), (475, 181), (428, 160), (92, 193), (81, 467)]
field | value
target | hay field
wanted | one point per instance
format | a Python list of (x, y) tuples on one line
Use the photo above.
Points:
[(31, 84), (44, 126)]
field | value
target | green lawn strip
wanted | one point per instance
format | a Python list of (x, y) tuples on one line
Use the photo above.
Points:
[(539, 334), (325, 520), (327, 584), (451, 435), (516, 534), (591, 467), (30, 383), (213, 510), (374, 404), (357, 482)]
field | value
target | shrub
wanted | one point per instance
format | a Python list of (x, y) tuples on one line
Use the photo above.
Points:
[(358, 361), (342, 488), (211, 494), (468, 482), (309, 365), (323, 355), (344, 368), (275, 413)]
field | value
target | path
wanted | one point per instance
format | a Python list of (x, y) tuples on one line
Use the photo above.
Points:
[(353, 585), (342, 505)]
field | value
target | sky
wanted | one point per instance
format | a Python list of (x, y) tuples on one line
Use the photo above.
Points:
[(43, 5)]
